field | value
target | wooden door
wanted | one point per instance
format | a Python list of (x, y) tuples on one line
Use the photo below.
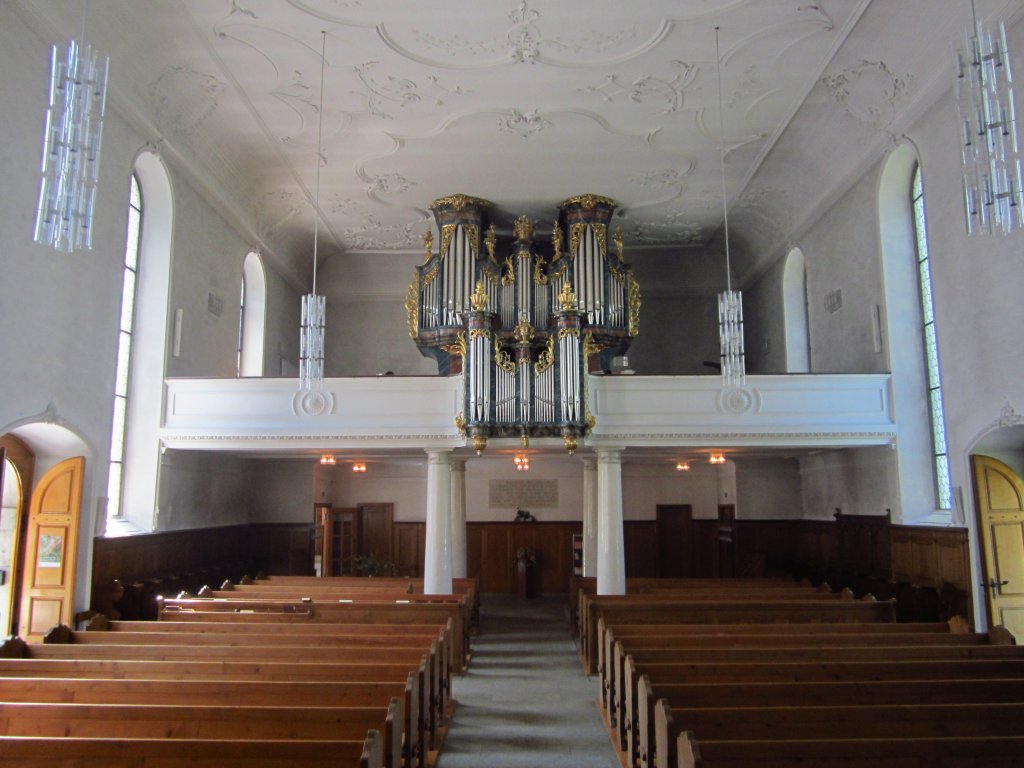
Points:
[(48, 575), (376, 523), (675, 540), (999, 497), (10, 491)]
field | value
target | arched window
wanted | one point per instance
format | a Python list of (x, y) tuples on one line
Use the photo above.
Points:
[(943, 492), (794, 307), (118, 432), (142, 351), (252, 316)]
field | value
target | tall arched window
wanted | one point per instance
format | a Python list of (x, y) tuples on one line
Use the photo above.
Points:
[(943, 493), (252, 316), (115, 475), (142, 351)]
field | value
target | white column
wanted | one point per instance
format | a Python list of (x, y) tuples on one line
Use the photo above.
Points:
[(437, 559), (611, 556), (458, 518), (589, 517)]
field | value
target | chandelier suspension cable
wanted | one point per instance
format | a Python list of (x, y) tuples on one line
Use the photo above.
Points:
[(721, 157), (319, 153), (730, 302), (314, 306)]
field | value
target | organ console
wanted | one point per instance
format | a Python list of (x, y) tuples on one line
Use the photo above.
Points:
[(524, 327)]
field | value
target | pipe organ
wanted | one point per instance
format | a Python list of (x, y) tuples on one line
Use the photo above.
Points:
[(524, 324)]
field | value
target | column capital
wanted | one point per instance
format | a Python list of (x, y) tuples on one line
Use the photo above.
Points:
[(609, 455), (589, 463), (439, 456), (458, 463)]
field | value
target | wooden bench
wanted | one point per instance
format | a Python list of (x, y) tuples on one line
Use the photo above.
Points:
[(939, 752), (999, 686), (393, 614), (853, 648), (46, 752), (425, 696), (362, 661), (328, 591), (467, 586), (697, 636), (674, 611), (254, 723)]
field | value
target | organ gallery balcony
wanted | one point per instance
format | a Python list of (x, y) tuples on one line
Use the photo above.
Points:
[(273, 416)]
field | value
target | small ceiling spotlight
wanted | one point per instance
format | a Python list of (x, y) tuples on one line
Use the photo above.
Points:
[(683, 466), (717, 458), (328, 460), (359, 467)]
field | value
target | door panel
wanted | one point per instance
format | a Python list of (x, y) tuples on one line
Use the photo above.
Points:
[(999, 497), (675, 540), (49, 567)]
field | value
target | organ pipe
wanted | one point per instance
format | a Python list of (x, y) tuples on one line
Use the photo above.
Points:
[(523, 313)]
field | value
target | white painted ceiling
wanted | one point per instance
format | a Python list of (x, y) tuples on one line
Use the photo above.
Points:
[(522, 102)]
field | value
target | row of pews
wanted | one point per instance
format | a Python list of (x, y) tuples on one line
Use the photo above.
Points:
[(742, 673), (280, 671)]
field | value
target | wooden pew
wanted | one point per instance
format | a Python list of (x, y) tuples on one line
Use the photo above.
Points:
[(809, 696), (364, 612), (425, 693), (468, 586), (326, 594), (194, 693), (675, 611), (997, 644), (258, 723), (46, 752), (939, 752), (696, 636), (285, 646)]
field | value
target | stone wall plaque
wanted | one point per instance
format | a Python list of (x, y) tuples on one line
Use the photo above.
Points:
[(523, 494)]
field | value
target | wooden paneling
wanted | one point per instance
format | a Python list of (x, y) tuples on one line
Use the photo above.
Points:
[(407, 547), (640, 540), (131, 558), (931, 556), (491, 548)]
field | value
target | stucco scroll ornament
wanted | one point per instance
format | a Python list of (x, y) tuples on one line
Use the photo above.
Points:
[(312, 402), (1008, 417)]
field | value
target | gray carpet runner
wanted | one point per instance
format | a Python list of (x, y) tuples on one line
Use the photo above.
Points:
[(525, 702)]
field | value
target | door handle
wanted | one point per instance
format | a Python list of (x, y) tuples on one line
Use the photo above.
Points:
[(994, 585)]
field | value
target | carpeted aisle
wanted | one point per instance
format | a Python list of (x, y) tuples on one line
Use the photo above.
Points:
[(525, 702)]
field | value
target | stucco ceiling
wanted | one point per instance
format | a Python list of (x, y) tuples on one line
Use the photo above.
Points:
[(523, 102)]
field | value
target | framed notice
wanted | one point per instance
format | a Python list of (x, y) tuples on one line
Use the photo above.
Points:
[(51, 550)]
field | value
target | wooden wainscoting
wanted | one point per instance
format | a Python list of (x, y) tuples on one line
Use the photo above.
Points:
[(930, 556)]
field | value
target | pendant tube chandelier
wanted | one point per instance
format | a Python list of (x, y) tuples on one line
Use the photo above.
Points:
[(730, 302), (314, 307), (71, 146), (991, 154)]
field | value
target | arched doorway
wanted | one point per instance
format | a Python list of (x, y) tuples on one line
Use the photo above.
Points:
[(51, 550), (40, 449), (17, 464), (997, 468)]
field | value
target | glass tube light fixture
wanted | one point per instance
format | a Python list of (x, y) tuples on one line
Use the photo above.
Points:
[(71, 146), (730, 302), (314, 307), (991, 156)]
